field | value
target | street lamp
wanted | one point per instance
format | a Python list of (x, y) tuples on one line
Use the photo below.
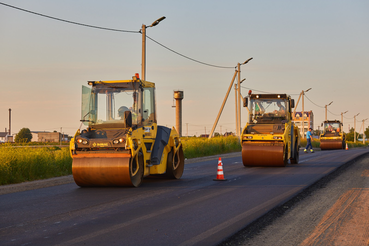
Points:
[(238, 123), (364, 131), (342, 113), (326, 109), (302, 112), (355, 127), (143, 31)]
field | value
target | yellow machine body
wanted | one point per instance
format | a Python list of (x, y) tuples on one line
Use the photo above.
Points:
[(269, 138), (122, 144), (332, 136)]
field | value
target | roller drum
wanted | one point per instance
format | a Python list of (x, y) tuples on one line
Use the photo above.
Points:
[(258, 153), (107, 170), (331, 144)]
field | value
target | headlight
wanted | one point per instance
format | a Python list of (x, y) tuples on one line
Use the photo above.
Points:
[(277, 137), (82, 141), (247, 137), (117, 141)]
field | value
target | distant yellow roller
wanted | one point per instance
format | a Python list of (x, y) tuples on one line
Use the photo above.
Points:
[(332, 136), (270, 138)]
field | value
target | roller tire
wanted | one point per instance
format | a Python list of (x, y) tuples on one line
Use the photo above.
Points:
[(175, 164), (136, 169), (296, 155), (285, 159)]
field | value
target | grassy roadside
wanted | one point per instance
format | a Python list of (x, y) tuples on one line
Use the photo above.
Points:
[(316, 144), (26, 164)]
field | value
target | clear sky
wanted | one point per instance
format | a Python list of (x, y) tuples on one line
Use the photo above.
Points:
[(295, 45)]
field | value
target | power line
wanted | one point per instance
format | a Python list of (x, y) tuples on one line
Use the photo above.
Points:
[(313, 102), (333, 113), (256, 90), (189, 58), (67, 21), (112, 29)]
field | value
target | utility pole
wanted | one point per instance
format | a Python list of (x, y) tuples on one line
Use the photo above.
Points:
[(239, 99), (143, 32), (222, 107), (303, 115), (237, 102), (342, 113), (364, 131), (302, 94), (355, 127), (326, 106), (236, 109)]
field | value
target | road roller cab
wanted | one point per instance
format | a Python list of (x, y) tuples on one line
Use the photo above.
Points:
[(121, 142), (332, 136), (269, 138)]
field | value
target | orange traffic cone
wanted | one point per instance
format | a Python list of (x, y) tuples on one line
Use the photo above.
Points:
[(346, 146), (220, 175)]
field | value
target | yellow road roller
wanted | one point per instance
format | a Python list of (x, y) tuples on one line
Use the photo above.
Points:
[(332, 136), (270, 138), (121, 142)]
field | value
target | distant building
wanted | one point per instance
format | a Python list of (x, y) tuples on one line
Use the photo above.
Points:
[(48, 136), (228, 134), (5, 137), (308, 121)]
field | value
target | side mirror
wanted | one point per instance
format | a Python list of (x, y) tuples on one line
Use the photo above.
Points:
[(321, 125), (245, 101), (128, 119), (292, 103)]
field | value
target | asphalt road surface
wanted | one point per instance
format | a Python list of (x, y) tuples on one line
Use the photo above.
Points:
[(194, 210), (334, 211)]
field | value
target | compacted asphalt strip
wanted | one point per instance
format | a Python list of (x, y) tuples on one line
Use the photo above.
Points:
[(194, 210)]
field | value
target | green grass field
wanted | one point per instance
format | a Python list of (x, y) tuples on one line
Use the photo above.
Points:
[(26, 163)]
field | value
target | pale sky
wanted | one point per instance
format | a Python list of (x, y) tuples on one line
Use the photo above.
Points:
[(295, 45)]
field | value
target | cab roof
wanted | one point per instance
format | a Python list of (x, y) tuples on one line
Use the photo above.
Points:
[(123, 83), (269, 96)]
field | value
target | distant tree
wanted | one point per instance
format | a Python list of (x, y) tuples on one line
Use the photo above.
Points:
[(350, 135), (216, 134), (316, 133), (23, 136), (367, 132)]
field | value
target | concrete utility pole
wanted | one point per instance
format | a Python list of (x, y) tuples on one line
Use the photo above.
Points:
[(342, 113), (240, 96), (302, 94), (236, 107), (222, 107), (364, 131), (178, 95), (326, 106), (237, 101), (355, 127), (143, 32)]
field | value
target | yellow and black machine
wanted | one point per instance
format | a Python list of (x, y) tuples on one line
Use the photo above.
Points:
[(270, 138), (333, 136), (122, 142)]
